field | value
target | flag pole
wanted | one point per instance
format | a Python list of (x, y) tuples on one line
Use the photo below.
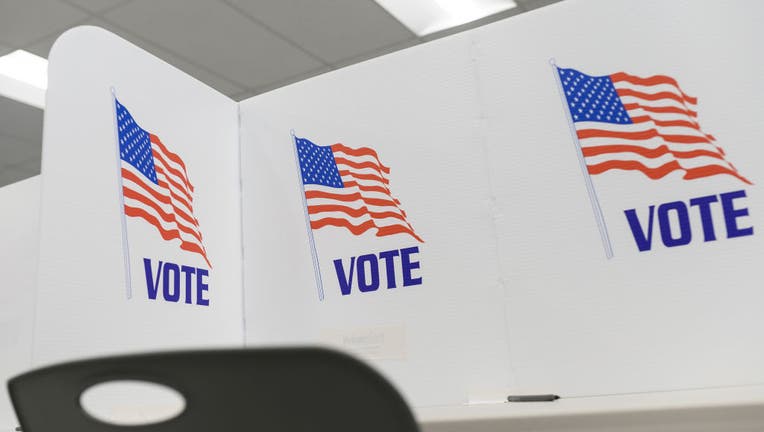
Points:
[(316, 266), (598, 216), (125, 246)]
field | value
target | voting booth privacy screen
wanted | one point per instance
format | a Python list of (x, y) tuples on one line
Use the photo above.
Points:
[(563, 202)]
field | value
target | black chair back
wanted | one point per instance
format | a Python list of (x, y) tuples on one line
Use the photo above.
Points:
[(269, 390)]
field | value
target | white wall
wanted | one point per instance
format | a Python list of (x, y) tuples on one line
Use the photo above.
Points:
[(19, 239)]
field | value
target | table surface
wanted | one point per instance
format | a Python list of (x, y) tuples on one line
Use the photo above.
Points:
[(717, 409)]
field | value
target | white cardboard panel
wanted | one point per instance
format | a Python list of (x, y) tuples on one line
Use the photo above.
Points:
[(577, 323), (419, 111), (82, 307), (19, 242), (669, 318), (517, 295)]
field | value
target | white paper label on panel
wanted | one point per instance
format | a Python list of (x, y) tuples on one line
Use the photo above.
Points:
[(377, 343)]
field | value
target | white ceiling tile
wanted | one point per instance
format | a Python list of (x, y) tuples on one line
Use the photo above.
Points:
[(30, 167), (20, 120), (13, 175), (246, 94), (8, 176), (96, 6), (517, 10), (333, 30), (23, 22), (213, 80), (17, 152), (42, 48), (213, 35), (375, 53), (535, 4)]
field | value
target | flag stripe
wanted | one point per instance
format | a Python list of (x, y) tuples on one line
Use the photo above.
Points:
[(655, 162), (665, 123), (175, 181), (359, 165), (157, 197), (651, 96), (171, 181), (147, 191), (360, 176), (185, 233), (155, 185), (651, 81), (664, 170), (173, 157), (349, 197), (641, 135), (367, 188), (648, 152), (349, 188), (166, 234), (354, 212), (167, 217), (128, 175), (368, 225), (660, 110), (383, 180), (360, 152), (173, 189)]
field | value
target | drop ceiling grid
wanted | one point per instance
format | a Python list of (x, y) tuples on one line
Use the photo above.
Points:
[(251, 46)]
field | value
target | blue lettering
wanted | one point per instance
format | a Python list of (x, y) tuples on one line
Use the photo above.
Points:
[(389, 257), (366, 269), (345, 281), (704, 206), (188, 272), (731, 214), (644, 241), (408, 265), (685, 231), (171, 287), (169, 275), (201, 287), (152, 283), (373, 270), (677, 212)]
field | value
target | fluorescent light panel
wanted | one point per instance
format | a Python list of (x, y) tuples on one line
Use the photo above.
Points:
[(429, 16), (24, 77)]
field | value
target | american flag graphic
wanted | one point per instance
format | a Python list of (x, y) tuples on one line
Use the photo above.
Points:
[(349, 188), (645, 124), (155, 185)]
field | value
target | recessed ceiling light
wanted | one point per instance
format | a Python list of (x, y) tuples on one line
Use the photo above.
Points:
[(24, 77), (429, 16)]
